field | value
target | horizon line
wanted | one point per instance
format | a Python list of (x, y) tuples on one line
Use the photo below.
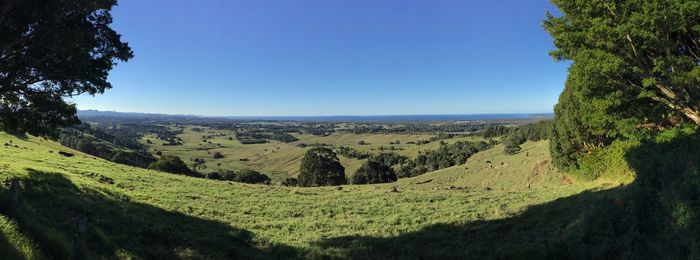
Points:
[(335, 115)]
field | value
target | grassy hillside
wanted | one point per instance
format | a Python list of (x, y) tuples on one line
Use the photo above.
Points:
[(282, 160), (137, 213)]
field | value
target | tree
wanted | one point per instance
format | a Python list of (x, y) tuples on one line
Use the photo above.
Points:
[(512, 148), (320, 167), (50, 50), (373, 172), (647, 51), (171, 164)]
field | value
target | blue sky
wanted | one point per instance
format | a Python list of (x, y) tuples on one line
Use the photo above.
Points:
[(333, 57)]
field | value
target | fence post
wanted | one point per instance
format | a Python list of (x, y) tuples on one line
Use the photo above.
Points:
[(14, 195), (81, 228)]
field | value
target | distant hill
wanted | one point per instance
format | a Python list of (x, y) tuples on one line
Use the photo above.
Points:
[(97, 113)]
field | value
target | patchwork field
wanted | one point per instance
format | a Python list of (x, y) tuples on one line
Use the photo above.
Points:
[(281, 160), (137, 213)]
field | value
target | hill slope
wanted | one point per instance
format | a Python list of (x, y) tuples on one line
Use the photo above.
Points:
[(137, 213)]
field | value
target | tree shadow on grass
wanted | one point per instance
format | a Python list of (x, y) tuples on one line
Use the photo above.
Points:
[(7, 249), (657, 216), (52, 207)]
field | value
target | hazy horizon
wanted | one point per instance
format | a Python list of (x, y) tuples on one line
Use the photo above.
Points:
[(83, 111)]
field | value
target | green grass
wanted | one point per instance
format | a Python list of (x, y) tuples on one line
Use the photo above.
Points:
[(137, 213), (282, 160), (14, 244)]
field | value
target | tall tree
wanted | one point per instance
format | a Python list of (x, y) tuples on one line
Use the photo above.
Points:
[(648, 50), (320, 167), (51, 50)]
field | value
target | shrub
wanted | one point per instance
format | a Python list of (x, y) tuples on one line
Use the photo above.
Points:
[(218, 155), (228, 175), (290, 182), (252, 177), (320, 167), (171, 164), (373, 172), (213, 176)]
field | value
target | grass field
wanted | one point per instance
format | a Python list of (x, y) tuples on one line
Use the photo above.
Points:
[(137, 213), (282, 160)]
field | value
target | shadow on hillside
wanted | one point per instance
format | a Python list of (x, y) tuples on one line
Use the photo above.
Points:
[(7, 249), (52, 208), (657, 216)]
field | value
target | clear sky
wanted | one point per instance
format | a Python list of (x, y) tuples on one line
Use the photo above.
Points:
[(333, 57)]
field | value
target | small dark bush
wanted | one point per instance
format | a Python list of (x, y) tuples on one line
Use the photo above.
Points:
[(290, 182), (213, 176), (373, 172), (252, 177), (171, 164)]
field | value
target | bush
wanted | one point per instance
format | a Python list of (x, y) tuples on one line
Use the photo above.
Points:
[(373, 172), (218, 155), (252, 177), (213, 176), (320, 167), (228, 175), (171, 164), (290, 182)]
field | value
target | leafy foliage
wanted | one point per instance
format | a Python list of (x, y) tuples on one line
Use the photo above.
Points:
[(373, 172), (252, 177), (41, 63), (644, 54), (320, 167), (95, 141), (171, 164), (449, 155)]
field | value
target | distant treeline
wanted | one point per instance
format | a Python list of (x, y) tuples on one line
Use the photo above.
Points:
[(447, 155), (251, 137), (514, 136)]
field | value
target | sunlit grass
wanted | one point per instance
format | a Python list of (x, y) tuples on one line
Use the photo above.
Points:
[(300, 217)]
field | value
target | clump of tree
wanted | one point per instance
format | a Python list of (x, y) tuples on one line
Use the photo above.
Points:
[(244, 176), (170, 164), (411, 169), (447, 155), (388, 159), (635, 69), (96, 142), (350, 152), (321, 167), (512, 145), (283, 137), (373, 172)]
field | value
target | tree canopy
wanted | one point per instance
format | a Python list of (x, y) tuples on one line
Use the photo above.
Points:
[(373, 172), (171, 164), (321, 167), (644, 53), (635, 69), (50, 50)]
